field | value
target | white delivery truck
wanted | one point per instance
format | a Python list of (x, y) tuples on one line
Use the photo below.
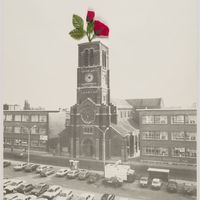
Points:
[(117, 173)]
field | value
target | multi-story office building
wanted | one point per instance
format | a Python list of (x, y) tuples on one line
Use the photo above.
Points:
[(168, 134), (22, 125)]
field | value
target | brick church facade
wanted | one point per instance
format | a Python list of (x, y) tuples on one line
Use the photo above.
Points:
[(94, 119)]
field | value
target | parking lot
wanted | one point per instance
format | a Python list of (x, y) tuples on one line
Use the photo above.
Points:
[(128, 190)]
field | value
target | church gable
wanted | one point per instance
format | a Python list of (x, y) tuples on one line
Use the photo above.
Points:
[(88, 103)]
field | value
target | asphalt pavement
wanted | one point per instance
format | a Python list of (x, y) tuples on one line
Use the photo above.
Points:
[(128, 190)]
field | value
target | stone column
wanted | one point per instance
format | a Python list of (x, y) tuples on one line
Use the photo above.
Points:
[(97, 149), (77, 148)]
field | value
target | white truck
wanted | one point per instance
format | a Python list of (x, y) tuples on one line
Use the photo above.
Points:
[(117, 173)]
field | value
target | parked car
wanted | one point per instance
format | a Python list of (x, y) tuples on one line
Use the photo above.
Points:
[(172, 186), (107, 196), (39, 189), (31, 167), (31, 197), (144, 181), (62, 172), (83, 174), (47, 172), (189, 188), (73, 173), (14, 196), (24, 188), (6, 182), (93, 177), (6, 163), (86, 196), (52, 192), (20, 166), (156, 183), (40, 168), (65, 195), (113, 181), (15, 183), (9, 196)]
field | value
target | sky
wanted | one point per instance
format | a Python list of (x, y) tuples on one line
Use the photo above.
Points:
[(152, 50)]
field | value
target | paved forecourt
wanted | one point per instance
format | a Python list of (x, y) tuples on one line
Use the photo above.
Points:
[(128, 190)]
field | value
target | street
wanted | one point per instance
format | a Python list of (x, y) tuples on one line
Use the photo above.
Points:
[(128, 190)]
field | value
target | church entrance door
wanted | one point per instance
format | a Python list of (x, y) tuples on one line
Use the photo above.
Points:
[(87, 148)]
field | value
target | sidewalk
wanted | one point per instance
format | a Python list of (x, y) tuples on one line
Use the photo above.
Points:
[(176, 171), (130, 162)]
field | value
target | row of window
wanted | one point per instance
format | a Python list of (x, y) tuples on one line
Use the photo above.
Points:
[(18, 129), (89, 58), (157, 135), (125, 114), (175, 151), (24, 142), (163, 119), (25, 118), (88, 129)]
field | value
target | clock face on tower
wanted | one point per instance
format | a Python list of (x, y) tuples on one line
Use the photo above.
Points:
[(89, 77), (88, 115)]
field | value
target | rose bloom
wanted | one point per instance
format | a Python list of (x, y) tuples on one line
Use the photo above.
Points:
[(90, 16), (100, 28)]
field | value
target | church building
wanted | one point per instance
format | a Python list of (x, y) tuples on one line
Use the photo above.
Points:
[(98, 126)]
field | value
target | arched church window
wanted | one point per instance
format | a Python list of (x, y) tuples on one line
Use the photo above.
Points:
[(91, 57), (86, 57)]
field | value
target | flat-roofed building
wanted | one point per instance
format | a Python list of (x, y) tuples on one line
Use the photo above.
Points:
[(168, 134), (19, 123)]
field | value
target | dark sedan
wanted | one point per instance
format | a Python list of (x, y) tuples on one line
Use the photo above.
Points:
[(172, 186), (93, 177), (6, 163), (40, 189), (83, 174), (107, 196), (24, 188), (30, 167)]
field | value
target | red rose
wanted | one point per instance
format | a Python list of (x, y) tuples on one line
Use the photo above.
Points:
[(90, 16), (100, 29)]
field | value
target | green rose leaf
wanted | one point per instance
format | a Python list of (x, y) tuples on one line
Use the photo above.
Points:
[(77, 21), (90, 27), (77, 34)]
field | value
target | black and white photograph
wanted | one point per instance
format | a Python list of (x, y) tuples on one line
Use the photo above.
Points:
[(99, 100)]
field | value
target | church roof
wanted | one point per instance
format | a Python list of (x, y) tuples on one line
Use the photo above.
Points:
[(123, 127), (121, 103), (146, 103)]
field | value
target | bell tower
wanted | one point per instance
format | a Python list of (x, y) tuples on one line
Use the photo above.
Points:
[(93, 113), (93, 73)]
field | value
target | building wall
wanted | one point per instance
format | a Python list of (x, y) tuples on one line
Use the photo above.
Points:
[(57, 123), (18, 125), (158, 139)]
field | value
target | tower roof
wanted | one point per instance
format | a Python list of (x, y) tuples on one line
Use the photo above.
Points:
[(121, 103), (146, 103)]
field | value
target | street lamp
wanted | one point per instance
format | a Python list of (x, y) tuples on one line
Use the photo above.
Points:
[(29, 140), (104, 147)]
